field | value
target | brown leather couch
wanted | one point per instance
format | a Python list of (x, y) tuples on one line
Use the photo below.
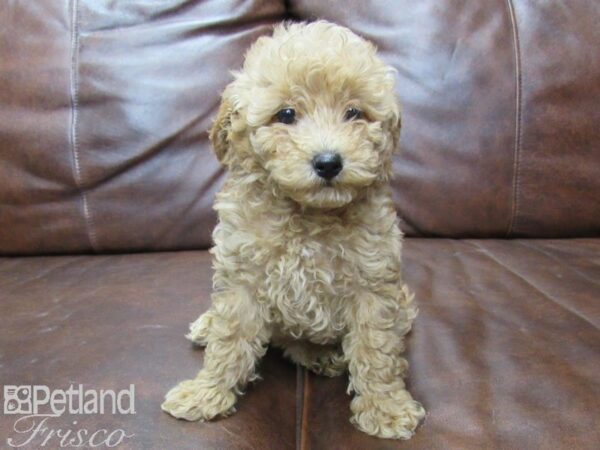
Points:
[(107, 180)]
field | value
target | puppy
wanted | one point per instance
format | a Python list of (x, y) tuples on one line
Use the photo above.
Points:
[(307, 248)]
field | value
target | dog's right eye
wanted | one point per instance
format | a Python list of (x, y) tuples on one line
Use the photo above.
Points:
[(286, 115)]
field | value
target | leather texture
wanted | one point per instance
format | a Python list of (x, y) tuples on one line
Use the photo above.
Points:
[(104, 110), (110, 321), (505, 352)]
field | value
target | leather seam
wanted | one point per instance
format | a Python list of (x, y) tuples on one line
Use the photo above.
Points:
[(73, 136), (302, 399), (516, 191), (299, 406)]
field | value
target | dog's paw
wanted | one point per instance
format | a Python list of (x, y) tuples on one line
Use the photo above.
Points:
[(193, 400), (391, 417)]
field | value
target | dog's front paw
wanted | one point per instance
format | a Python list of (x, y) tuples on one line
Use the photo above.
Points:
[(194, 400), (392, 417)]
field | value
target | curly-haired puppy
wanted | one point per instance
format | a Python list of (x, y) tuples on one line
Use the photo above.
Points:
[(307, 249)]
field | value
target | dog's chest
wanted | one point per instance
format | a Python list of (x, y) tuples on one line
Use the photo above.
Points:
[(307, 285)]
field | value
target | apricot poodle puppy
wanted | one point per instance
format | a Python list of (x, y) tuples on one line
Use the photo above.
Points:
[(307, 249)]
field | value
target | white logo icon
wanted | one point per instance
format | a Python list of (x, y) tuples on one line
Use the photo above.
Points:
[(17, 400)]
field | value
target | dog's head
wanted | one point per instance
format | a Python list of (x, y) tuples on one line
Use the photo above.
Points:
[(313, 110)]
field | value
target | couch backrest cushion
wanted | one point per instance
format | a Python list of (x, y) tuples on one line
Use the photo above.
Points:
[(104, 112), (104, 108)]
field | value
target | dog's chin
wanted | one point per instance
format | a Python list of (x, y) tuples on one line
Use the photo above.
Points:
[(309, 191), (325, 197)]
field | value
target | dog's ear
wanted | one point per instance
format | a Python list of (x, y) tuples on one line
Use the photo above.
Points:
[(391, 127), (219, 133)]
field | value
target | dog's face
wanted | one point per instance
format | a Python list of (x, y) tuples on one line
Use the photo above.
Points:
[(314, 110)]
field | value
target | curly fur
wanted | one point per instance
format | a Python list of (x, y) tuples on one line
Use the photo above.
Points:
[(313, 268)]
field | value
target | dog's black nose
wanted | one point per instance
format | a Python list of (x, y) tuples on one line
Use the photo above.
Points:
[(327, 164)]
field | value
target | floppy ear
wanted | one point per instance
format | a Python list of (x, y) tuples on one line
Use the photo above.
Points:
[(392, 128), (219, 133)]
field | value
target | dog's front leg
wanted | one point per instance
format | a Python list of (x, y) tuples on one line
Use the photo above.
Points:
[(382, 406), (236, 340)]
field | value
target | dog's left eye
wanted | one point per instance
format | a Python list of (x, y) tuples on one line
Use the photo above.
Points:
[(353, 113), (286, 115)]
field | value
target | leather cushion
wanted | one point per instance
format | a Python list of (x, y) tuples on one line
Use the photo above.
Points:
[(103, 117), (104, 112), (505, 352)]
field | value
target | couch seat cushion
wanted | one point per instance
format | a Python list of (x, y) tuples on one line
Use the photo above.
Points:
[(504, 354)]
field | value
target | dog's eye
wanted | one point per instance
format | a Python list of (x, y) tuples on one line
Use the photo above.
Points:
[(353, 113), (286, 115)]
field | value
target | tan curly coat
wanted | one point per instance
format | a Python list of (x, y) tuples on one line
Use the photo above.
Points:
[(308, 265)]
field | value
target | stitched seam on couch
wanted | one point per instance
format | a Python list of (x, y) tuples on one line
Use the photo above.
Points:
[(302, 392), (518, 120), (73, 136)]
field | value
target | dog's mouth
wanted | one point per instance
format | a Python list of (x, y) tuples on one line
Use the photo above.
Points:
[(326, 196), (303, 185)]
